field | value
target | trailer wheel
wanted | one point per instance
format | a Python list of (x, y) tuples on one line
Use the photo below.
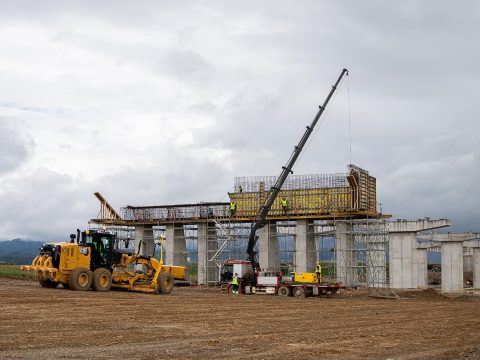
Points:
[(102, 280), (165, 283), (80, 279), (283, 291), (298, 291), (48, 283)]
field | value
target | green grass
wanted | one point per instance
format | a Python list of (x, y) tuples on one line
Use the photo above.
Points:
[(13, 271)]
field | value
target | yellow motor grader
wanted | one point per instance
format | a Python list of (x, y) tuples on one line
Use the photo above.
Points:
[(95, 261)]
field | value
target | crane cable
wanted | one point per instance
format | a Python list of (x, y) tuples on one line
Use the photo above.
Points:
[(349, 119)]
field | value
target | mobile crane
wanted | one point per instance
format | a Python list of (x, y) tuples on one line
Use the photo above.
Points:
[(268, 282)]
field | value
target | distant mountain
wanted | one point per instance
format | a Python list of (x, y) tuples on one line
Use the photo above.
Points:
[(19, 251)]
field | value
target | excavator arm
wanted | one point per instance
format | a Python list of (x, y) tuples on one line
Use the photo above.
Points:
[(286, 170)]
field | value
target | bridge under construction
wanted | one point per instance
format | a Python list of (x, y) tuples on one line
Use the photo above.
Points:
[(328, 217)]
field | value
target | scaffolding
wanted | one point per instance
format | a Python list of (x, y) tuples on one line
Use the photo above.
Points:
[(361, 252)]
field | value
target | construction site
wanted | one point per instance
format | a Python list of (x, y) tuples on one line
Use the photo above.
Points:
[(299, 266)]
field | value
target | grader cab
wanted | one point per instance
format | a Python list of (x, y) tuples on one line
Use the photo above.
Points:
[(95, 261)]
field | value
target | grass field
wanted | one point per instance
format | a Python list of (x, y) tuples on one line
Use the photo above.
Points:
[(13, 271)]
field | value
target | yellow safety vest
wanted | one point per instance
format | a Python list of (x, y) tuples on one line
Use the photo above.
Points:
[(284, 203), (235, 280), (318, 268), (233, 205)]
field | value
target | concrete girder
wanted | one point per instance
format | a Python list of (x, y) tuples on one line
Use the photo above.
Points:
[(402, 226)]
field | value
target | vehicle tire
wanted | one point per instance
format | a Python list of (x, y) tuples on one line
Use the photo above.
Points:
[(48, 283), (165, 283), (102, 280), (283, 291), (298, 291), (80, 279)]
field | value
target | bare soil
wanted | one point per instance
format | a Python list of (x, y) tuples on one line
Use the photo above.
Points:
[(195, 322)]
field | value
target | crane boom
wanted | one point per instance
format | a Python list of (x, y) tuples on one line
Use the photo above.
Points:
[(287, 169)]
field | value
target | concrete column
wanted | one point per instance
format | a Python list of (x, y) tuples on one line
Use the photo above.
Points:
[(345, 254), (452, 267), (207, 246), (175, 245), (401, 248), (421, 275), (305, 247), (144, 242), (268, 250), (476, 268), (467, 263)]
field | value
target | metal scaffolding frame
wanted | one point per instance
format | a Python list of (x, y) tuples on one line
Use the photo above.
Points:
[(361, 252)]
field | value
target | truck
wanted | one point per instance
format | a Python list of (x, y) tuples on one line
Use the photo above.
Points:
[(298, 284), (264, 281), (96, 261)]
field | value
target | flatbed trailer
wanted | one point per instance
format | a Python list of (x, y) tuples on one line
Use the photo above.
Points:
[(274, 283), (293, 289)]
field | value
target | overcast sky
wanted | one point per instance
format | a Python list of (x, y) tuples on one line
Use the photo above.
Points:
[(160, 102)]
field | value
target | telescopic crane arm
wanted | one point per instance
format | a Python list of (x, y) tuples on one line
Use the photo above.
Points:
[(286, 170)]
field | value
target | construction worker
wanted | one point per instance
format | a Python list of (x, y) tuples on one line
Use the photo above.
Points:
[(318, 271), (235, 284), (284, 204), (240, 189), (233, 207)]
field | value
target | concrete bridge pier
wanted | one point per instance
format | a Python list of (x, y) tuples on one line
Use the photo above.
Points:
[(467, 263), (403, 252), (305, 247), (476, 268), (452, 258), (345, 255), (268, 250), (207, 246), (452, 267), (421, 269), (144, 241), (175, 245)]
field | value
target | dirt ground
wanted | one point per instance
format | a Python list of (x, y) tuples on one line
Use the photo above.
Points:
[(202, 323)]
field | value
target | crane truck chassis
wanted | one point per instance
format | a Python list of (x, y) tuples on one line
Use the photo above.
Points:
[(96, 262)]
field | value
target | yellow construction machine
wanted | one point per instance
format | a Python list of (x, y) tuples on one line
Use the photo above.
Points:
[(96, 261)]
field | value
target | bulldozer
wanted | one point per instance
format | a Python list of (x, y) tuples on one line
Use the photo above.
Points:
[(96, 261)]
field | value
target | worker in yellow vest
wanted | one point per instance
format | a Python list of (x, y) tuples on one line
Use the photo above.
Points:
[(284, 204), (235, 284), (318, 271), (233, 207)]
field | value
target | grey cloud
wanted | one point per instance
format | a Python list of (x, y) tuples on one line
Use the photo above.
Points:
[(15, 147), (413, 90), (44, 205)]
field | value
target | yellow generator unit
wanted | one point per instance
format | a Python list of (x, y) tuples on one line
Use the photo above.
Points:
[(95, 261), (305, 277)]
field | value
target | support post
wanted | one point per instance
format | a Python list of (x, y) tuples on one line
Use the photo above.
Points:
[(268, 250), (476, 268), (422, 269), (207, 246), (452, 267), (345, 255), (175, 245), (305, 247)]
